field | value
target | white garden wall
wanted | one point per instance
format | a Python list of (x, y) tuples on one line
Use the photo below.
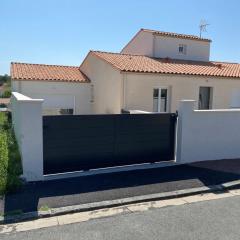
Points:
[(27, 122), (207, 134), (201, 134)]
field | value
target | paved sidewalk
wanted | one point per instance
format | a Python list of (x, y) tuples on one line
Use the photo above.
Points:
[(210, 217), (111, 186)]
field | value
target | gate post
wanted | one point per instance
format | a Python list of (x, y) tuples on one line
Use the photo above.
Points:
[(186, 108), (27, 122)]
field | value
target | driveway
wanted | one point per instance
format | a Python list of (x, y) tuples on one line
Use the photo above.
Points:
[(96, 188)]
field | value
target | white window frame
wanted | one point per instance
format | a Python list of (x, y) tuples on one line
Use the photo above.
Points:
[(159, 98), (184, 46), (210, 97), (66, 109)]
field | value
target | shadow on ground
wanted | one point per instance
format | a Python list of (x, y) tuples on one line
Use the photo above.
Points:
[(59, 193)]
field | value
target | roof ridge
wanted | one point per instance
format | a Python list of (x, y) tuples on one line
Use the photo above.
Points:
[(185, 34), (42, 64), (176, 34), (125, 54), (225, 62)]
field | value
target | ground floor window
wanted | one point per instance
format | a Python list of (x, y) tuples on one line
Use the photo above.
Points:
[(66, 111), (160, 99), (58, 111), (205, 98)]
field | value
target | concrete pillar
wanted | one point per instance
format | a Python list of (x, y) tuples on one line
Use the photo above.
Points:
[(27, 121), (186, 108)]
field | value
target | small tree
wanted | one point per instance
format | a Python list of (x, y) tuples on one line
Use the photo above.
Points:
[(5, 80)]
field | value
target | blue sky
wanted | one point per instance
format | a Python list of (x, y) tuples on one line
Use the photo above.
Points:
[(63, 31)]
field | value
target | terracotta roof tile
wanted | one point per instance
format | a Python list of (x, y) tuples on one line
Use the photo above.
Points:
[(144, 64), (176, 35), (25, 71)]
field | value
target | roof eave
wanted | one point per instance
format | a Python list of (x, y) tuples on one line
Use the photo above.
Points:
[(179, 74), (49, 80), (183, 37)]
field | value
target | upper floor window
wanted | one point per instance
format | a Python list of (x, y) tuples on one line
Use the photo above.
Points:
[(182, 49)]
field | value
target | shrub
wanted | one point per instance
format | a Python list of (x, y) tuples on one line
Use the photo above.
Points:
[(10, 162), (3, 105), (3, 161), (6, 94)]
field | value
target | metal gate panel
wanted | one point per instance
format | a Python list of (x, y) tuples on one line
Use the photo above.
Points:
[(83, 142)]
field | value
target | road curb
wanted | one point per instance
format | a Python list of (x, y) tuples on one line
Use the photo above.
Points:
[(116, 203)]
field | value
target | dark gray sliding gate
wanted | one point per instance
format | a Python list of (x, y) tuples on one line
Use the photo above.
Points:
[(83, 142)]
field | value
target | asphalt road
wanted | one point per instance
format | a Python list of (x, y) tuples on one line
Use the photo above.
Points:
[(216, 219)]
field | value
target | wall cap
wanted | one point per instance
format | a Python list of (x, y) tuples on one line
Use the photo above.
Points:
[(22, 98), (185, 100), (219, 110)]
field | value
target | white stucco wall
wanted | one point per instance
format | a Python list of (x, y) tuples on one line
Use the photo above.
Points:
[(114, 90), (235, 100), (153, 45), (139, 90), (168, 47), (27, 122), (141, 44), (207, 134), (107, 82), (57, 94)]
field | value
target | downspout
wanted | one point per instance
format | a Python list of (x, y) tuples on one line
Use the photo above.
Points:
[(19, 86), (124, 77), (154, 45)]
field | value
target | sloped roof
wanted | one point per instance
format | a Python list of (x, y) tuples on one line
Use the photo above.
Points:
[(25, 71), (144, 64), (176, 35)]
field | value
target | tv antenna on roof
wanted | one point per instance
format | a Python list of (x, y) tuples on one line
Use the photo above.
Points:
[(203, 27)]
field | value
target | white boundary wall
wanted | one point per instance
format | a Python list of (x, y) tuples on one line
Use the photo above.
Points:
[(27, 122), (207, 134), (201, 134)]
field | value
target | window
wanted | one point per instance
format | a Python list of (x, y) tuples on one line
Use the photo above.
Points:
[(57, 111), (182, 49), (66, 111), (205, 98), (160, 99)]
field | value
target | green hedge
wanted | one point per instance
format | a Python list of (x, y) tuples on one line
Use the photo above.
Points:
[(10, 162), (3, 161), (6, 94)]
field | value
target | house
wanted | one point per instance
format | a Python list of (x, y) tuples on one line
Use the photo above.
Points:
[(152, 73)]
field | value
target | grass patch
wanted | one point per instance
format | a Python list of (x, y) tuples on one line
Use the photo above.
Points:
[(10, 162), (44, 208), (13, 213)]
